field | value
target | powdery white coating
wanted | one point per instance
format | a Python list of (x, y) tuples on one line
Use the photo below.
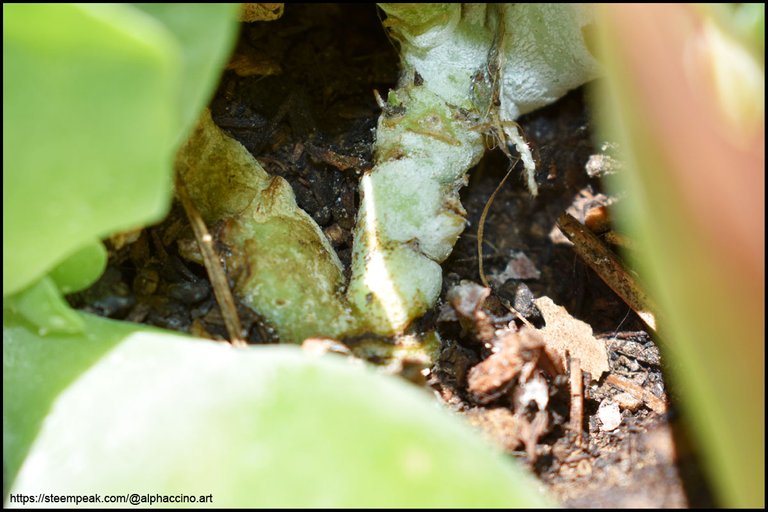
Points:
[(415, 213), (410, 215), (447, 56), (393, 284), (544, 55), (417, 179)]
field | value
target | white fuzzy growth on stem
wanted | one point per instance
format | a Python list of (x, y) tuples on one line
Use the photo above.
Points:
[(462, 66), (410, 215)]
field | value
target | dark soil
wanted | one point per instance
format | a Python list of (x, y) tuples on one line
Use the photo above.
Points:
[(304, 107)]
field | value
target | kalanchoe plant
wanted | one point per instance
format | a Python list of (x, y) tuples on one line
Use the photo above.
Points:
[(93, 99), (466, 71), (98, 98)]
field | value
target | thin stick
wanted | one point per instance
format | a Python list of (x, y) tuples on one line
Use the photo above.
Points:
[(213, 267), (480, 241), (608, 266), (515, 312), (481, 225), (655, 403), (577, 401)]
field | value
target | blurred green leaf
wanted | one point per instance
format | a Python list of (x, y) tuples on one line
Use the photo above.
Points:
[(95, 97), (133, 410), (43, 305), (206, 34), (88, 111), (695, 179), (81, 269)]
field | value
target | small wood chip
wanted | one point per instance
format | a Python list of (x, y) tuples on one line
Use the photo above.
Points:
[(628, 401), (563, 333), (655, 403), (492, 377), (577, 401), (518, 267), (467, 299), (520, 353), (337, 160)]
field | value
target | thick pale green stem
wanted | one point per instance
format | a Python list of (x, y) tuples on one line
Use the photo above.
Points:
[(466, 69), (462, 66), (410, 215), (282, 264)]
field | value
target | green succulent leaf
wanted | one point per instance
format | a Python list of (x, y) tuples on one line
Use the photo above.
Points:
[(87, 149), (95, 97), (43, 306), (266, 426), (206, 34), (81, 269)]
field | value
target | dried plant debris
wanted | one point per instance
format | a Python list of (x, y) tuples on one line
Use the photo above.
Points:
[(576, 378), (213, 266), (519, 355), (505, 375), (609, 267), (627, 401), (260, 12), (513, 380), (466, 300), (521, 371), (565, 334), (518, 267), (655, 403)]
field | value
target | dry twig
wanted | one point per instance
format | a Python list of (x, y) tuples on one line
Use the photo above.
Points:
[(655, 403), (608, 266), (577, 400), (213, 266)]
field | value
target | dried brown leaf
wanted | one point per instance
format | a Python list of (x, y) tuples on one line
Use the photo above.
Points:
[(563, 333), (492, 377)]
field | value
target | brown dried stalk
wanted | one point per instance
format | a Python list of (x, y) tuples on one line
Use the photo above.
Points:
[(213, 266)]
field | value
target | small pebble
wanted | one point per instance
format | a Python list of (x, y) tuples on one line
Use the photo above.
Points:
[(609, 414)]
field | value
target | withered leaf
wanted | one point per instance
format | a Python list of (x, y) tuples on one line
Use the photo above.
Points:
[(563, 333)]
